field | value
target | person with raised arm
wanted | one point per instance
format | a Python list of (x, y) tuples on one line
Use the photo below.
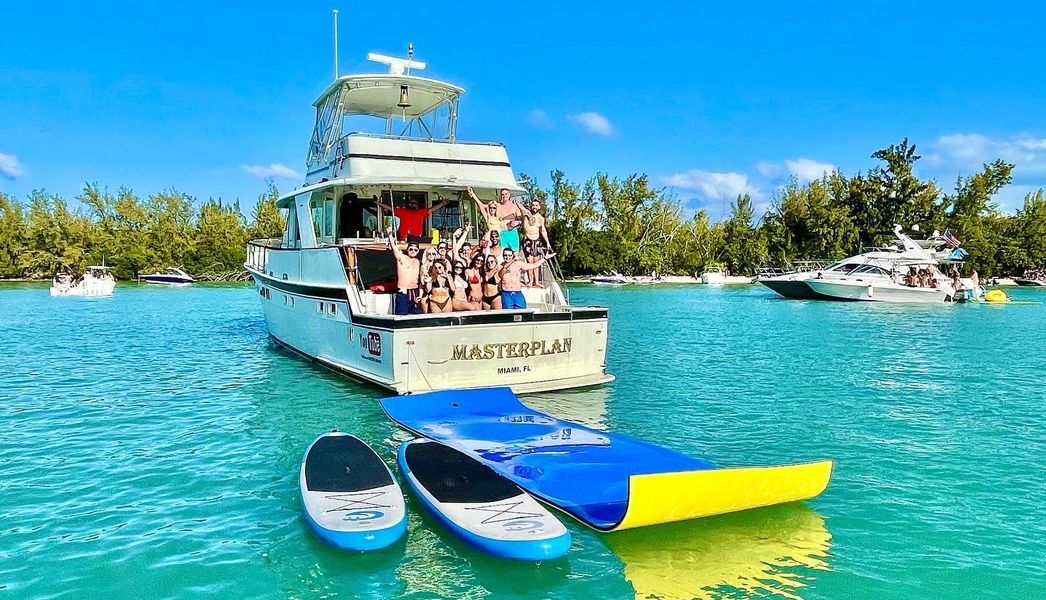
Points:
[(407, 271), (535, 237), (511, 284), (411, 216), (503, 217)]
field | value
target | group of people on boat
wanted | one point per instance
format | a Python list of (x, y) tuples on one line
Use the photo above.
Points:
[(456, 275)]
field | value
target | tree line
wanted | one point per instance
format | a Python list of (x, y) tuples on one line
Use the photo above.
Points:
[(609, 223), (606, 223), (132, 235)]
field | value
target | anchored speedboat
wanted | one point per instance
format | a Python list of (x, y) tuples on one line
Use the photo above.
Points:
[(327, 286), (170, 276)]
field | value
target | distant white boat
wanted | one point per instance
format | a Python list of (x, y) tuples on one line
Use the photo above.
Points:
[(614, 278), (170, 276), (97, 281), (713, 276)]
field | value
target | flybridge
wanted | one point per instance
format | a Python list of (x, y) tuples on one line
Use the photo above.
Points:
[(402, 106)]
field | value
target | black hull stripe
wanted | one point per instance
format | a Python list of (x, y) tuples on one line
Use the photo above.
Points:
[(430, 159), (304, 290)]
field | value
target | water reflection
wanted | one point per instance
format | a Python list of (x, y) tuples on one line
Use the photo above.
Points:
[(766, 551), (587, 406)]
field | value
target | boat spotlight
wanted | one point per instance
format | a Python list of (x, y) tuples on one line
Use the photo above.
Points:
[(404, 100)]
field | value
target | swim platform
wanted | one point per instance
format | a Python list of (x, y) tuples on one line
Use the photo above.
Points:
[(605, 480)]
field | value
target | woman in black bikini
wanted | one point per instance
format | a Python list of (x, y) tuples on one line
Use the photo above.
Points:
[(491, 293), (461, 290), (438, 287)]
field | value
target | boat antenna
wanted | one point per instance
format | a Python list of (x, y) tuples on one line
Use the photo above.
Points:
[(410, 56), (335, 44)]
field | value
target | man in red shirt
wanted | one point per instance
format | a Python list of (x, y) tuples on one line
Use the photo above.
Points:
[(412, 217)]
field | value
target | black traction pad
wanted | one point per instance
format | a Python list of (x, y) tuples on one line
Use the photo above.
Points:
[(456, 478), (342, 463)]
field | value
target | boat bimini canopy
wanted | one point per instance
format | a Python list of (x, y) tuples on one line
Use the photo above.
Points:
[(426, 108)]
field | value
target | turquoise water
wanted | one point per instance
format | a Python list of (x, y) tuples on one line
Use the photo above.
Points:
[(149, 447)]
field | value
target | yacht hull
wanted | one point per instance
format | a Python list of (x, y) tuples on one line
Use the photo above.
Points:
[(876, 292), (527, 350), (791, 288)]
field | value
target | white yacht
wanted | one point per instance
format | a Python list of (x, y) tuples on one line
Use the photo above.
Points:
[(612, 278), (96, 281), (879, 275), (713, 276), (171, 276), (327, 287)]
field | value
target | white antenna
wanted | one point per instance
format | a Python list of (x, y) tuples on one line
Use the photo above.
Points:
[(397, 66), (335, 43)]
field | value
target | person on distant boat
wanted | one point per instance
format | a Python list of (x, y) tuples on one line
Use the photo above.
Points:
[(412, 216), (511, 284), (911, 279), (975, 280), (408, 269)]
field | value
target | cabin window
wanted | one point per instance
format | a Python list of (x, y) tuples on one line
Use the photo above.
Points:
[(328, 218), (448, 218), (317, 218), (319, 307), (291, 236)]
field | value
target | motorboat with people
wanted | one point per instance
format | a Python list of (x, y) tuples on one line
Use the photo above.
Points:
[(1031, 278), (170, 276), (907, 271), (96, 281), (611, 278), (384, 154), (713, 275)]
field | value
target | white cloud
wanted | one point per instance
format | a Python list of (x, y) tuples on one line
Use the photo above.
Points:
[(966, 152), (723, 186), (769, 169), (539, 118), (807, 170), (273, 170), (10, 167), (593, 122)]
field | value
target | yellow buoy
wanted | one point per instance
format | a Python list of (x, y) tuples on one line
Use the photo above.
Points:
[(996, 296)]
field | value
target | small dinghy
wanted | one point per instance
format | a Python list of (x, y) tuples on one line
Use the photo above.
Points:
[(482, 508), (348, 495)]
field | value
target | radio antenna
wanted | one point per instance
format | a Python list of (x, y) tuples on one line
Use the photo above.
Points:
[(335, 43)]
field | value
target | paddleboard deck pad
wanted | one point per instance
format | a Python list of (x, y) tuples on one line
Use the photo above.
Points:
[(605, 480), (479, 506), (349, 496)]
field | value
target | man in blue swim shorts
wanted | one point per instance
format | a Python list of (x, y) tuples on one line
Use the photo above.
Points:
[(511, 283)]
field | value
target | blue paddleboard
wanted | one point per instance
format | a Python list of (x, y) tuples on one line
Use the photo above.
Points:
[(479, 506), (348, 494)]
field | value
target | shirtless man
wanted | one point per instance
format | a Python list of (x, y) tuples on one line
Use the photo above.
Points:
[(503, 217), (407, 271), (535, 236), (511, 285)]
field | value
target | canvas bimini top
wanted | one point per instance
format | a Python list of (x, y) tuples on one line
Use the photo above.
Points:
[(605, 480)]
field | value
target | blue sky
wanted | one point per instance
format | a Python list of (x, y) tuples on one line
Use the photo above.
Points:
[(710, 99)]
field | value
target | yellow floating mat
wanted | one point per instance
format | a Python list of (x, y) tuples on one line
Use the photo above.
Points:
[(605, 480), (666, 497)]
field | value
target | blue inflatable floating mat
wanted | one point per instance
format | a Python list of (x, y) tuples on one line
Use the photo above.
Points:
[(605, 480)]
